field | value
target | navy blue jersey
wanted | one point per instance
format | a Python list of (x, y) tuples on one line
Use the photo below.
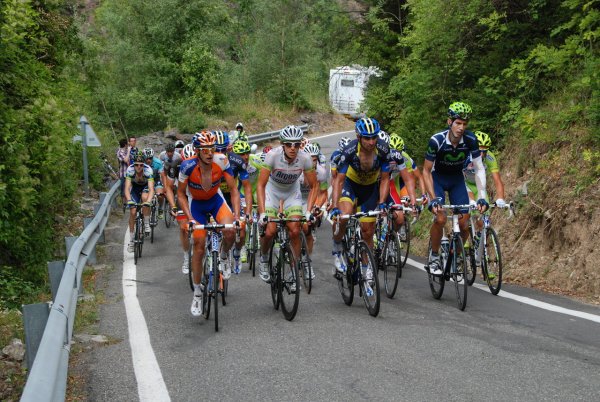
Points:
[(446, 158), (335, 158), (349, 163), (239, 169)]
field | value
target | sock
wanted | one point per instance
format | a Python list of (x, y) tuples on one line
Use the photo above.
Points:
[(337, 247), (197, 290)]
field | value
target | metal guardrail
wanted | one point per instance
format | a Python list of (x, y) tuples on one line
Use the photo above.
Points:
[(269, 135), (48, 377)]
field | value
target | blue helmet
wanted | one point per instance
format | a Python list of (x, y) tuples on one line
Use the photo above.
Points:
[(222, 140), (367, 127)]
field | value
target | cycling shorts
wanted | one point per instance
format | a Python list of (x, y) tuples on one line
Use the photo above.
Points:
[(292, 201), (454, 185), (202, 210), (136, 192), (363, 197)]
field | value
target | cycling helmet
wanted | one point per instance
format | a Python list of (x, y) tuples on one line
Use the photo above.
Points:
[(139, 158), (459, 110), (222, 139), (239, 127), (179, 144), (397, 142), (291, 133), (343, 142), (311, 149), (170, 147), (367, 127), (241, 147), (267, 149), (188, 151), (148, 153), (304, 142), (384, 136), (317, 145), (203, 139), (483, 139)]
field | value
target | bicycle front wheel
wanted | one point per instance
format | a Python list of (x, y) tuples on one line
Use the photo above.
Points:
[(274, 273), (216, 279), (305, 264), (392, 264), (153, 222), (346, 279), (137, 242), (458, 271), (404, 236), (189, 253), (289, 283), (369, 288), (491, 262), (436, 283), (253, 248)]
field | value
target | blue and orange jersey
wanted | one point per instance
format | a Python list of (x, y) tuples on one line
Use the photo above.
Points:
[(190, 173)]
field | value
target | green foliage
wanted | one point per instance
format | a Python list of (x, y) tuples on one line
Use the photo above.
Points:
[(15, 289)]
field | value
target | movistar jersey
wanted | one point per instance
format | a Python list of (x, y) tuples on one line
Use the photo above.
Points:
[(446, 158), (490, 162), (349, 163)]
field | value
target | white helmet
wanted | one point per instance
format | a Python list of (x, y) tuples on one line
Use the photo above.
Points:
[(311, 149), (343, 142), (291, 133), (188, 151)]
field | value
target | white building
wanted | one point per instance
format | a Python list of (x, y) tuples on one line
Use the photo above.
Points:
[(347, 86)]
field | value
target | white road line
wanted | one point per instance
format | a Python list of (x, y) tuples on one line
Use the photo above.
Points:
[(526, 300), (151, 386), (330, 135)]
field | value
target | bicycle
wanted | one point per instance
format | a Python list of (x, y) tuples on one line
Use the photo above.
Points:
[(305, 263), (389, 253), (138, 232), (355, 253), (485, 250), (252, 243), (212, 281), (108, 167), (153, 216), (453, 261), (285, 285), (169, 218)]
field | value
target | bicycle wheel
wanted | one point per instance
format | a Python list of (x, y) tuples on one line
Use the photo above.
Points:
[(189, 253), (152, 221), (305, 264), (491, 262), (168, 218), (404, 236), (215, 287), (289, 283), (436, 283), (365, 259), (346, 280), (252, 250), (470, 254), (136, 242), (392, 264), (273, 262), (458, 271)]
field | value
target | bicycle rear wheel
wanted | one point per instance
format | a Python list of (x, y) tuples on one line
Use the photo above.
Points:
[(346, 280), (305, 264), (404, 244), (491, 261), (289, 283), (365, 257), (436, 283), (392, 264), (274, 272), (458, 271)]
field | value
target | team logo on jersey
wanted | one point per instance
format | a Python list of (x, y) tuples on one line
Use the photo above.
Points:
[(459, 157)]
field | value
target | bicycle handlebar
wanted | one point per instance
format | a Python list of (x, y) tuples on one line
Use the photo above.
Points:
[(348, 216)]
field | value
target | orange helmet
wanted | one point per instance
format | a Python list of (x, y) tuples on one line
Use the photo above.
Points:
[(204, 139)]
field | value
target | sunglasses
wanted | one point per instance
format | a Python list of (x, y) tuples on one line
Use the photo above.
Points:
[(206, 150), (138, 164), (291, 144)]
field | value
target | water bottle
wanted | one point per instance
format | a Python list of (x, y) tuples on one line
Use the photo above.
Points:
[(383, 232)]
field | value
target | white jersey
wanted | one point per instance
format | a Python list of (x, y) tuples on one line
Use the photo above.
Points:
[(322, 179), (285, 175)]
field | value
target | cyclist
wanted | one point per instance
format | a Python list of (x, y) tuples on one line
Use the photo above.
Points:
[(171, 161), (446, 154), (202, 175), (278, 182), (158, 170), (239, 160), (323, 184), (335, 156), (187, 153), (363, 180), (139, 188)]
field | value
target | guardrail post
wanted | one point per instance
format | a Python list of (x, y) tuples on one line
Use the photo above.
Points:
[(35, 317), (55, 272)]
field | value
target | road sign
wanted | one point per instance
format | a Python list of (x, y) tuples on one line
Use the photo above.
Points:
[(91, 137)]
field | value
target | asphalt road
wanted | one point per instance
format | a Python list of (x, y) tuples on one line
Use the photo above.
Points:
[(417, 349)]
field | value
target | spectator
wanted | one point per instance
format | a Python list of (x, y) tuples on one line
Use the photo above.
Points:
[(123, 157), (132, 142)]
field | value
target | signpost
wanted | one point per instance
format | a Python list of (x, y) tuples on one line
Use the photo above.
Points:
[(89, 139)]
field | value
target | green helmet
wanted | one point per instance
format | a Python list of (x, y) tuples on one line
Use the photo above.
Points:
[(139, 158), (397, 142), (241, 147), (459, 110), (483, 139)]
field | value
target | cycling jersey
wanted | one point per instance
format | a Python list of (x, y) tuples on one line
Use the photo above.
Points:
[(447, 159), (490, 162), (349, 163), (239, 169), (397, 186), (142, 180), (190, 173), (284, 175), (253, 169), (334, 159), (171, 165), (322, 178)]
